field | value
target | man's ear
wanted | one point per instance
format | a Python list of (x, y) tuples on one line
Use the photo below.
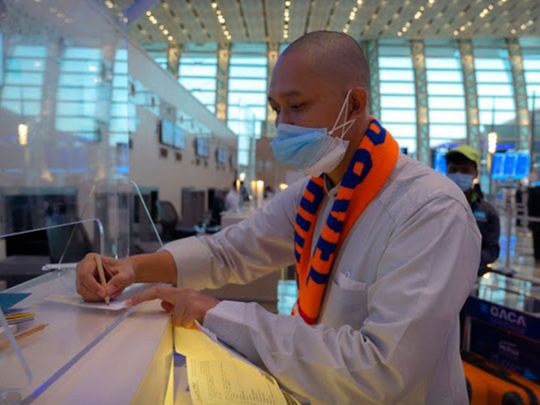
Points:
[(359, 98)]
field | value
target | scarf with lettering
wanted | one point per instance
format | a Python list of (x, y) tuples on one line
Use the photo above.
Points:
[(370, 167)]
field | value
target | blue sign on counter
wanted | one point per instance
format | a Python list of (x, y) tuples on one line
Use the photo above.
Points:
[(505, 336), (517, 322)]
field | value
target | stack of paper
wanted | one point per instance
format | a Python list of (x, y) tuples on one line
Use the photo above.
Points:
[(217, 375)]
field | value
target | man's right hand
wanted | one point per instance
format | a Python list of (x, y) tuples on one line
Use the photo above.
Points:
[(119, 273)]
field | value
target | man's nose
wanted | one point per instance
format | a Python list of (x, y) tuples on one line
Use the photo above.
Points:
[(283, 118)]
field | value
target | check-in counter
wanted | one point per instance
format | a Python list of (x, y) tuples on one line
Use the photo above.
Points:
[(87, 355)]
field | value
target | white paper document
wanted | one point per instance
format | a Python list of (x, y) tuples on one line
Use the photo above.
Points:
[(76, 300), (115, 305), (218, 375)]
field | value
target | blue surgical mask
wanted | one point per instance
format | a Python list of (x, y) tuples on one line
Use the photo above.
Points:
[(464, 181), (312, 150)]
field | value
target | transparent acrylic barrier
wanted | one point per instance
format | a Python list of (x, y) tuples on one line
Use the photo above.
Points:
[(64, 105), (71, 331), (64, 125), (513, 293)]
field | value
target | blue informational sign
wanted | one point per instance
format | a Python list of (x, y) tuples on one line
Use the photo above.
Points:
[(523, 165), (202, 147), (439, 161), (166, 132), (510, 165), (497, 166), (179, 138), (221, 156)]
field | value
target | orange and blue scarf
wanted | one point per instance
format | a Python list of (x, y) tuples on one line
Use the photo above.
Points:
[(370, 167)]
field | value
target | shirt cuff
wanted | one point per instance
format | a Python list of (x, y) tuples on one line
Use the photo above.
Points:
[(193, 262)]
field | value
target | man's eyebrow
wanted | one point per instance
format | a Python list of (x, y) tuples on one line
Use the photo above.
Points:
[(291, 93)]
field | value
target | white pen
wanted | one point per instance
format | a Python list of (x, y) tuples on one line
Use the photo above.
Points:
[(59, 266)]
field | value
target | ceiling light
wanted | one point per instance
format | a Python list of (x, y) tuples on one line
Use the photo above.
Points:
[(399, 33), (109, 4), (418, 15), (165, 32), (352, 16), (286, 19), (148, 13), (170, 38), (221, 20), (22, 130), (513, 31), (456, 32)]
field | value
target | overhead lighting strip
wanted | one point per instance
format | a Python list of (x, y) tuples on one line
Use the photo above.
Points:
[(286, 19), (164, 31), (352, 16), (221, 20), (417, 15)]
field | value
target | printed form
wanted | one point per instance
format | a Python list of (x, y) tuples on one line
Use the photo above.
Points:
[(218, 375)]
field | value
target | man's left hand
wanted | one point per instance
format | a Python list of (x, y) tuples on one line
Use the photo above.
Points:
[(184, 304)]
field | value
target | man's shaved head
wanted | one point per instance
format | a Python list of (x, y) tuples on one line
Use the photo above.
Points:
[(333, 55), (322, 81)]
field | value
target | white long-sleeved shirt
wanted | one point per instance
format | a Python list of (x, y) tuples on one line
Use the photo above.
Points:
[(389, 330)]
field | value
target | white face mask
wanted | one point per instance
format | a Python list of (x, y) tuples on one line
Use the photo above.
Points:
[(313, 150)]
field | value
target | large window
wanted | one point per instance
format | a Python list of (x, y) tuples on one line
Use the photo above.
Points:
[(246, 112), (80, 97), (530, 49), (494, 86), (198, 72), (446, 97), (398, 103), (23, 85)]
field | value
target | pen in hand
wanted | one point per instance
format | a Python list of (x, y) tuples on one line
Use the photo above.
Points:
[(101, 274)]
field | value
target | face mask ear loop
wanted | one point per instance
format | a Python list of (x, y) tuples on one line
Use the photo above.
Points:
[(344, 108)]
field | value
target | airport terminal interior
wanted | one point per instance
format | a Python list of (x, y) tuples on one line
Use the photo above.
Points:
[(129, 124)]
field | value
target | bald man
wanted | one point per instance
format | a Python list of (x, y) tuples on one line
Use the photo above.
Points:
[(386, 251)]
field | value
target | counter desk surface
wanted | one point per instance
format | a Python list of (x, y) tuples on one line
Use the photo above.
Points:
[(88, 355)]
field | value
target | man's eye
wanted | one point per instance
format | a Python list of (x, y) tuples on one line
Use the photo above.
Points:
[(297, 106)]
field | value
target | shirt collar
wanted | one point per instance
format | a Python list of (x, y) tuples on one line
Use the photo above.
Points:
[(328, 189)]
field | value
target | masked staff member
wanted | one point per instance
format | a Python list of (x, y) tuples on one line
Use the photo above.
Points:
[(462, 168), (386, 251)]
